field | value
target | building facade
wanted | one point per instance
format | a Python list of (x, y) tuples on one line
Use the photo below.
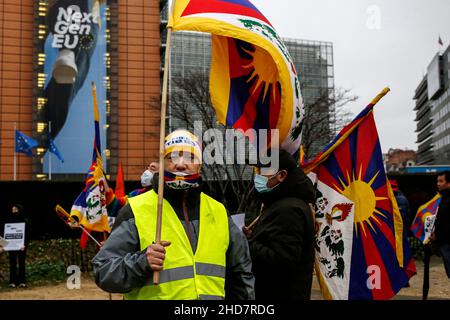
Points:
[(432, 106), (128, 32)]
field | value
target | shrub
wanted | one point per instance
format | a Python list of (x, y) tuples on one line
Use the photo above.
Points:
[(47, 261)]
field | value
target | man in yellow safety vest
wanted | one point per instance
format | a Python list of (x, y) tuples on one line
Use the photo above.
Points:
[(204, 255)]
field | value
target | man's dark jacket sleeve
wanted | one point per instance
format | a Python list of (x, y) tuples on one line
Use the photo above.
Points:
[(442, 224)]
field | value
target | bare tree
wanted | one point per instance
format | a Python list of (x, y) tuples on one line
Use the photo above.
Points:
[(324, 118), (190, 102)]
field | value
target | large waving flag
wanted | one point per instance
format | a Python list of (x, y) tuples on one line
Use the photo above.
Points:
[(253, 82), (361, 252), (423, 224), (90, 206), (24, 144)]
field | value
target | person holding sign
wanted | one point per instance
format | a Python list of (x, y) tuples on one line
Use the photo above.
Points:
[(16, 236)]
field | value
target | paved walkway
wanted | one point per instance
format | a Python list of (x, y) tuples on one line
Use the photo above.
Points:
[(439, 288)]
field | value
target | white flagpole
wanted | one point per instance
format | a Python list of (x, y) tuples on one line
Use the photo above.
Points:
[(15, 160), (49, 153)]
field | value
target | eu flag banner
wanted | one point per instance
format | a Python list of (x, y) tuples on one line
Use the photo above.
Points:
[(53, 149), (253, 82), (90, 206), (361, 252), (24, 144), (423, 224)]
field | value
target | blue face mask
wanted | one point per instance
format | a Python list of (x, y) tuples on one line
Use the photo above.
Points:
[(261, 183)]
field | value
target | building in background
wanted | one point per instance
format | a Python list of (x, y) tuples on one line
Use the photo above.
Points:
[(121, 47), (191, 54), (396, 160), (314, 63), (432, 108)]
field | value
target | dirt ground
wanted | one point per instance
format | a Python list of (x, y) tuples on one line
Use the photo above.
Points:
[(439, 288)]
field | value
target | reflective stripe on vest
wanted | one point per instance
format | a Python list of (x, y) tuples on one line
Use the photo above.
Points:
[(185, 275)]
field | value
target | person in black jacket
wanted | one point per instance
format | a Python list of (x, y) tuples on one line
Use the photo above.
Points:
[(281, 243), (441, 235), (17, 275)]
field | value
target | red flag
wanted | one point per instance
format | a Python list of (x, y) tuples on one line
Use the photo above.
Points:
[(84, 238), (120, 184)]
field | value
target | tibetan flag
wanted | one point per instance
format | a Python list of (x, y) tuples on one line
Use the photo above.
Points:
[(90, 206), (253, 82), (423, 224), (120, 184), (24, 144), (361, 252), (53, 149)]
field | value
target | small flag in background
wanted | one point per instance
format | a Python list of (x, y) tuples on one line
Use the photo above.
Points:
[(423, 224), (53, 149), (440, 41), (24, 143)]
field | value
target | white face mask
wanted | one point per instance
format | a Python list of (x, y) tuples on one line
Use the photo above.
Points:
[(146, 178)]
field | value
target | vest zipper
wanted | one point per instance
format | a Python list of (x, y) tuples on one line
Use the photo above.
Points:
[(188, 231)]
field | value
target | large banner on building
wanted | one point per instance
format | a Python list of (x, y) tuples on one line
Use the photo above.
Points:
[(75, 56)]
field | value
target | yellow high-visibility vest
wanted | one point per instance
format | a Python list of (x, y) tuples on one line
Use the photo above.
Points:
[(186, 276)]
